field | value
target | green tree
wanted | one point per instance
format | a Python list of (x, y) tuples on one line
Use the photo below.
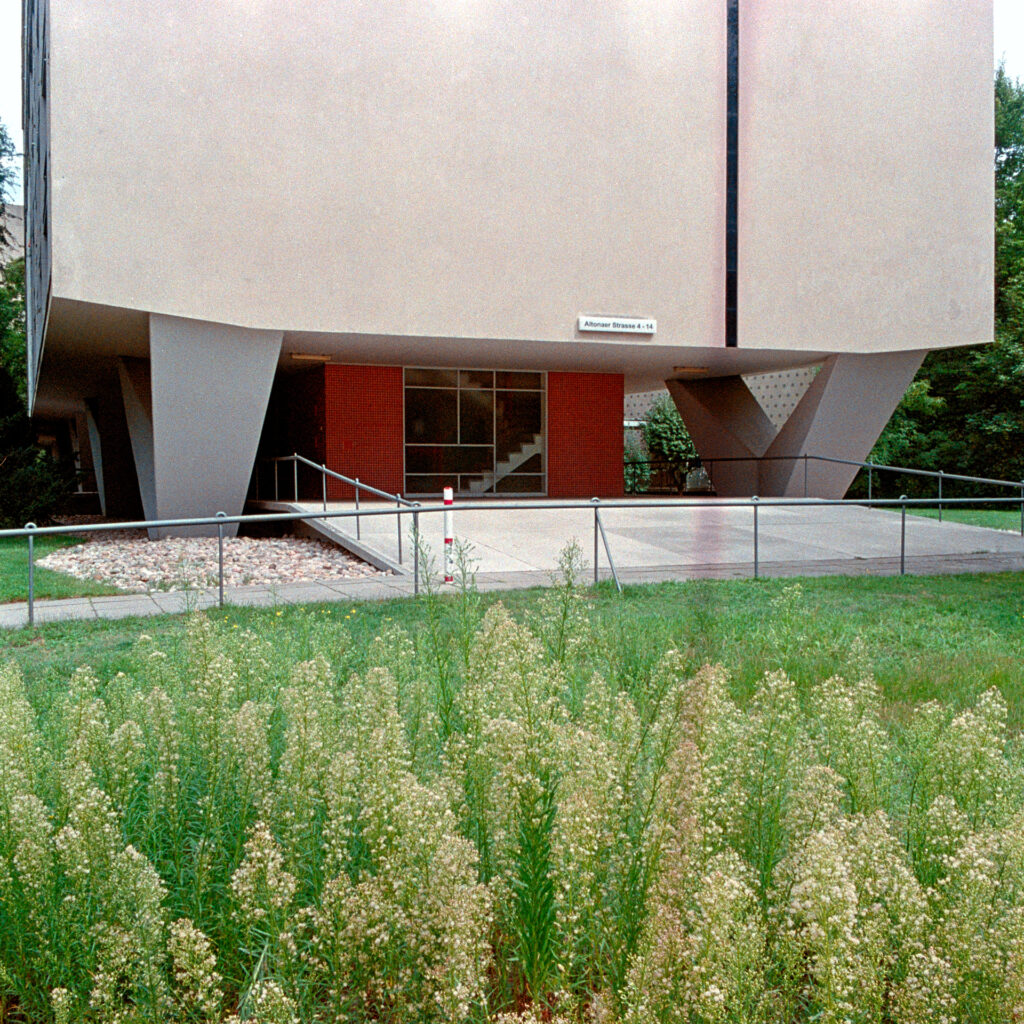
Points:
[(665, 434), (965, 411), (12, 324), (636, 469), (12, 278), (8, 176), (32, 484)]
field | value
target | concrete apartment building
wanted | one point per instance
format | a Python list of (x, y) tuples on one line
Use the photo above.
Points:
[(435, 242)]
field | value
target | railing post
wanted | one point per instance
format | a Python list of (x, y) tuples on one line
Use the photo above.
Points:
[(220, 561), (596, 502), (323, 476), (357, 509), (805, 474), (607, 549), (940, 495), (295, 473), (398, 519), (753, 501), (870, 467), (276, 464), (31, 575), (416, 549), (1022, 508), (903, 534)]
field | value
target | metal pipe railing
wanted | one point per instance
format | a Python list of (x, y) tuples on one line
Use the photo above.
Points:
[(599, 526), (353, 482), (221, 520), (873, 467), (753, 502)]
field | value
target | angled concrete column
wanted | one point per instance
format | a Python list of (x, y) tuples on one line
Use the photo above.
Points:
[(726, 422), (844, 410), (210, 384), (138, 412), (109, 439), (841, 415), (97, 452)]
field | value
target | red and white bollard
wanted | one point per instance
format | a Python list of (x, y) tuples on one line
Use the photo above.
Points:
[(449, 538)]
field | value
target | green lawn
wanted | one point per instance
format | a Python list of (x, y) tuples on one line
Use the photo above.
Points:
[(944, 637), (995, 518), (14, 572)]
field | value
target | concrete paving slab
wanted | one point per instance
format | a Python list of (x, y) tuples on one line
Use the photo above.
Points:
[(58, 611), (71, 603)]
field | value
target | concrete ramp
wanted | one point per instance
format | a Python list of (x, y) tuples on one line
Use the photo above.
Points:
[(341, 532)]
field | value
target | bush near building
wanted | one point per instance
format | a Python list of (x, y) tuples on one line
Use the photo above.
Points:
[(665, 434)]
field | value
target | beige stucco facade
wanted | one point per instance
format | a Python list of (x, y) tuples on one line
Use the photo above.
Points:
[(483, 170), (866, 187), (453, 182)]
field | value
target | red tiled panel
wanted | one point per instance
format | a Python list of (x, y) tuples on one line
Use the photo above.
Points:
[(585, 435), (364, 416)]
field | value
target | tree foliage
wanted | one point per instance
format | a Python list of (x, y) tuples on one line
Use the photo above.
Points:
[(964, 413), (32, 484), (665, 434), (12, 323), (8, 176)]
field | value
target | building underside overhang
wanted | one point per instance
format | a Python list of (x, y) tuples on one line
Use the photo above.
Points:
[(85, 339)]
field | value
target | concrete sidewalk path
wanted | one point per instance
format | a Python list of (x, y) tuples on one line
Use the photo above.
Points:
[(13, 616)]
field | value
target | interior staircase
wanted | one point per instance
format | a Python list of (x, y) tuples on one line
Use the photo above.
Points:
[(487, 482)]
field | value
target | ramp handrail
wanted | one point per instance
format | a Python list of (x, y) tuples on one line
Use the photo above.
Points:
[(353, 482), (871, 467), (321, 468)]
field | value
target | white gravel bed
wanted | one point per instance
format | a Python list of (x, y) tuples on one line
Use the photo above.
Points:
[(126, 559)]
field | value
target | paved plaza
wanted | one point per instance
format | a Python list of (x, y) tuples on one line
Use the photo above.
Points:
[(649, 543), (645, 536)]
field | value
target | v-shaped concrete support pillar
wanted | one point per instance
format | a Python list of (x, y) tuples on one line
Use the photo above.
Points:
[(841, 415), (726, 422), (844, 410), (137, 392), (195, 411)]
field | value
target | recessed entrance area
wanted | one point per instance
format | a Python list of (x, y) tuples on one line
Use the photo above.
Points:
[(477, 431)]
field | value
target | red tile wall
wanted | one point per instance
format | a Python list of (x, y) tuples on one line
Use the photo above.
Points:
[(585, 435), (364, 415)]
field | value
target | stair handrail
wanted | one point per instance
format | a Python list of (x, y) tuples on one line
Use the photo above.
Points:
[(353, 482)]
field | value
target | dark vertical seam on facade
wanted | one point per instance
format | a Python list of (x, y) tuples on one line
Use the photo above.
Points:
[(732, 146)]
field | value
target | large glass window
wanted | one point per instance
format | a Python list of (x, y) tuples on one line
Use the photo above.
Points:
[(477, 431)]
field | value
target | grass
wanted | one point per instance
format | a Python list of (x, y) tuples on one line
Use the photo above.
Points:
[(994, 518), (435, 809), (48, 584), (947, 638)]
